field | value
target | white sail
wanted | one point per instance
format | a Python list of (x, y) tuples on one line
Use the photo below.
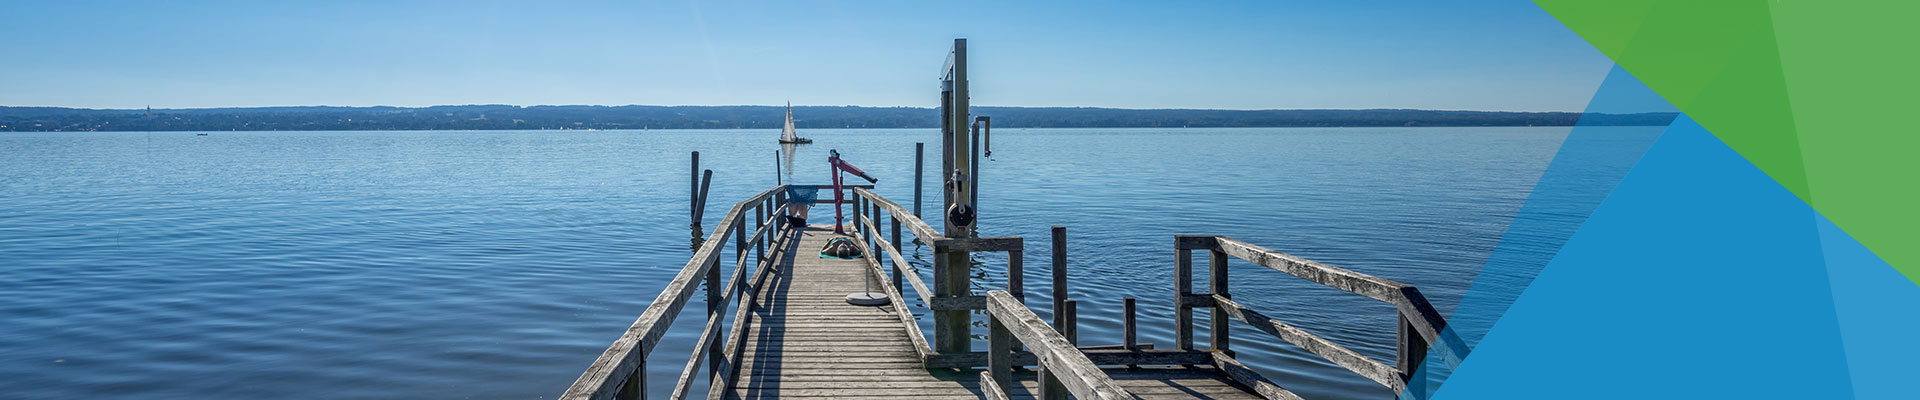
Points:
[(786, 133)]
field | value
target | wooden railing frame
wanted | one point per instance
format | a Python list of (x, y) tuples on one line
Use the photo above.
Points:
[(1420, 326), (869, 209), (1011, 325), (619, 371)]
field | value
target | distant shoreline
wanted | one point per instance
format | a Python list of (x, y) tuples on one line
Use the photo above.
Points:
[(506, 117)]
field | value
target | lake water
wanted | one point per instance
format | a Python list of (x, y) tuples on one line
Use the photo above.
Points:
[(499, 264)]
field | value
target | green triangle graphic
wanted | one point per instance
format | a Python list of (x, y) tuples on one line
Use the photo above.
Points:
[(1810, 93)]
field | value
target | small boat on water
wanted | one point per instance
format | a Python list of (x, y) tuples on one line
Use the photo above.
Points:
[(787, 134)]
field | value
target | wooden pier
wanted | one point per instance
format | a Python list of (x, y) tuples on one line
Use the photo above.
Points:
[(781, 326), (793, 334)]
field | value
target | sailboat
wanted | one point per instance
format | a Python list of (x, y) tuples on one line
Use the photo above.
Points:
[(786, 132)]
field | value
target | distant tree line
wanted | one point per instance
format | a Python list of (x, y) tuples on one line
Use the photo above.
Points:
[(499, 117)]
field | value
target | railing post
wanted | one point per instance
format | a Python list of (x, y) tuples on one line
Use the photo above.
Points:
[(1182, 287), (873, 238), (1050, 386), (780, 200), (1059, 275), (636, 386), (1127, 338), (759, 221), (1412, 353), (999, 354), (714, 307), (898, 279), (1217, 274)]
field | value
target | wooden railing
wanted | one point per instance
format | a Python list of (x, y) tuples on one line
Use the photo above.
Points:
[(619, 372), (1420, 326), (950, 290), (1011, 325)]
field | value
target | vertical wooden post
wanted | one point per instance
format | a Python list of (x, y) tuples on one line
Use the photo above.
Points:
[(759, 220), (1017, 275), (898, 276), (1050, 386), (1128, 340), (1412, 353), (999, 354), (777, 173), (693, 191), (700, 199), (636, 386), (714, 307), (919, 168), (874, 218), (1220, 321), (1059, 275), (780, 200), (1182, 287), (1072, 328)]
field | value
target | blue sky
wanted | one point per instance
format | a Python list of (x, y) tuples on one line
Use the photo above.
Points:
[(1478, 55)]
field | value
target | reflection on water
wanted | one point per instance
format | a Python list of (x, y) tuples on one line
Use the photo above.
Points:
[(500, 264)]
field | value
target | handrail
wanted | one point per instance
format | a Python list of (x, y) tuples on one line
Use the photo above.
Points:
[(742, 318), (913, 223), (731, 295), (1421, 327), (1010, 323), (621, 367)]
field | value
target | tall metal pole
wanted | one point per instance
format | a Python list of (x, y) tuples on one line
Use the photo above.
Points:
[(973, 175)]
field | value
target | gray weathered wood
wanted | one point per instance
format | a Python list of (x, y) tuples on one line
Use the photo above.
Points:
[(1338, 278), (1000, 347), (1099, 356), (1220, 327), (1352, 361), (984, 244), (1245, 376), (1081, 377), (919, 228), (898, 263), (995, 388)]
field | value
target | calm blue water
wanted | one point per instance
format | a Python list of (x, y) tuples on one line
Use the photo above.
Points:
[(499, 264)]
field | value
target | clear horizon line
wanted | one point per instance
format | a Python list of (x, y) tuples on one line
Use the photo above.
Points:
[(802, 105)]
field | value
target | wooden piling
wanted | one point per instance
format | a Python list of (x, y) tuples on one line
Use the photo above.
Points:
[(700, 199), (1127, 338), (1059, 275), (693, 190), (919, 168), (1071, 329)]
